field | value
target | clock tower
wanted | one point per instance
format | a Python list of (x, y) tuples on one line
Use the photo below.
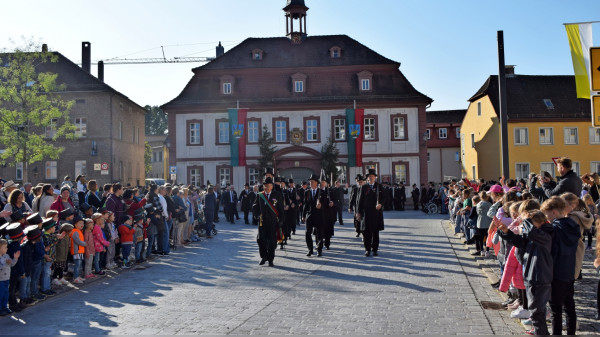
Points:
[(295, 10)]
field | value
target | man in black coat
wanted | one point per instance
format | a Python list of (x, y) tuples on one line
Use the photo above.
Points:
[(246, 200), (230, 200), (568, 181), (337, 194), (292, 218), (354, 193), (268, 208), (370, 213), (415, 196), (312, 215)]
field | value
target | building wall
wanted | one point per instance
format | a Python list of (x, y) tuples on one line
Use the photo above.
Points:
[(485, 156), (443, 163), (585, 152)]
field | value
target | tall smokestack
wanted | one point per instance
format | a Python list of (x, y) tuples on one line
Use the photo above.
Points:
[(220, 49), (44, 48), (101, 70), (86, 56)]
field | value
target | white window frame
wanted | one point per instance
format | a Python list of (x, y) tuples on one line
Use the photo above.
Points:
[(280, 131), (195, 133), (576, 167), (51, 129), (399, 131), (339, 129), (223, 132), (443, 133), (298, 86), (472, 140), (342, 173), (457, 131), (568, 140), (312, 130), (519, 132), (19, 171), (80, 167), (195, 176), (227, 88), (595, 167), (365, 84), (225, 174), (399, 174), (428, 133), (550, 168), (80, 126), (253, 176), (546, 129), (253, 131), (51, 172), (369, 129), (518, 172), (594, 134)]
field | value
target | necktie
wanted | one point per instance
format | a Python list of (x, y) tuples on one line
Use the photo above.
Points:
[(268, 196), (231, 195), (313, 194)]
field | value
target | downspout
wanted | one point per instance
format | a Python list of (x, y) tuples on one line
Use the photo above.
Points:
[(112, 163)]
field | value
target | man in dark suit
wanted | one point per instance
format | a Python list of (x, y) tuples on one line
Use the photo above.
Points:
[(354, 193), (246, 199), (210, 200), (292, 213), (415, 196), (400, 196), (301, 191), (312, 216), (268, 207), (229, 198), (337, 194), (370, 204)]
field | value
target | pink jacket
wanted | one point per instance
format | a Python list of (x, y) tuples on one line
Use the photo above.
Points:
[(99, 242), (89, 244), (513, 272)]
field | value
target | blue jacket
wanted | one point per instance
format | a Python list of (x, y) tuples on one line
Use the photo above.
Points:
[(564, 248), (19, 268), (210, 202)]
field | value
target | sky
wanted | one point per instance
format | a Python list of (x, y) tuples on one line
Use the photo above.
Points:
[(447, 49)]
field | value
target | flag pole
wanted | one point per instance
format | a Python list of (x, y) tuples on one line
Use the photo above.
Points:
[(580, 23)]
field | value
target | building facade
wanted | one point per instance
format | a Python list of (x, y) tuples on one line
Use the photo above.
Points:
[(109, 130), (301, 88), (546, 120), (159, 159), (443, 144)]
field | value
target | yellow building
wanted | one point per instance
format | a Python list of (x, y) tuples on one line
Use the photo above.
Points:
[(545, 120)]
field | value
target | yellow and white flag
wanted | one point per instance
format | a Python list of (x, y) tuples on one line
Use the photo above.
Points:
[(580, 41)]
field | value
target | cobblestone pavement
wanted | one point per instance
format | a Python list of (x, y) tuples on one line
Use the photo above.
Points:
[(418, 285)]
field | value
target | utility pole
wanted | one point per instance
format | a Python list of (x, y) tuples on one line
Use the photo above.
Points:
[(503, 113)]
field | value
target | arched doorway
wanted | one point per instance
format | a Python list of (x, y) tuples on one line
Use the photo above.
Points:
[(298, 162)]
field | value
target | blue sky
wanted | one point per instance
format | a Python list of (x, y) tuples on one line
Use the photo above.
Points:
[(447, 49)]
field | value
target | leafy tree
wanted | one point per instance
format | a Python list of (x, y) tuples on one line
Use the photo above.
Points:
[(156, 121), (267, 149), (329, 158), (147, 158), (31, 111)]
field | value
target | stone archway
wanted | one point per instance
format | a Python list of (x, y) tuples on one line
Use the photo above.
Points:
[(297, 161)]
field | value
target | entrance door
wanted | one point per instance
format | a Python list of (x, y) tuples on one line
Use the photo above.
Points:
[(297, 173)]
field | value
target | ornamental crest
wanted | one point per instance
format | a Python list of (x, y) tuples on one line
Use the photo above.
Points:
[(296, 136)]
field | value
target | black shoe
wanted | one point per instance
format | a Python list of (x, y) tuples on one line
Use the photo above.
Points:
[(310, 253), (510, 300), (164, 253), (375, 253), (357, 234), (367, 253), (262, 262), (281, 247), (246, 223), (496, 285), (319, 253), (271, 264), (327, 247)]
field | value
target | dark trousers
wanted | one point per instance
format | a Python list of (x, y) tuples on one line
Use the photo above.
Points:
[(480, 234), (339, 215), (318, 236), (371, 240), (216, 213), (562, 295), (246, 216), (538, 296), (13, 286), (229, 213), (356, 226), (416, 204), (266, 246)]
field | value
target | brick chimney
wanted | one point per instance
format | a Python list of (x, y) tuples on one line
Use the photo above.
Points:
[(220, 49), (101, 70), (509, 70), (86, 56), (44, 48)]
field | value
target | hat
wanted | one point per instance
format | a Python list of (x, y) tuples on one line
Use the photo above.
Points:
[(496, 189), (304, 182), (314, 177), (10, 183), (290, 181), (138, 217), (65, 213), (34, 219), (32, 232), (268, 180), (103, 210), (96, 216), (269, 170), (277, 179), (84, 207), (359, 177), (125, 218), (48, 223), (3, 230), (65, 188), (372, 172), (76, 219), (17, 215), (246, 185), (15, 231), (66, 226)]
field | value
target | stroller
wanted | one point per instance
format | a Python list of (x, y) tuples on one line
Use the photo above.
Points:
[(199, 228), (432, 206)]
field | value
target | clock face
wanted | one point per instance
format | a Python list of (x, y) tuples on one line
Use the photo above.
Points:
[(296, 38)]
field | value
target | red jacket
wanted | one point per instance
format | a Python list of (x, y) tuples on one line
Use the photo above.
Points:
[(58, 206), (126, 233), (133, 206)]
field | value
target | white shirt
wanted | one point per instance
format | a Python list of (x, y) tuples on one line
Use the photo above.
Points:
[(163, 203)]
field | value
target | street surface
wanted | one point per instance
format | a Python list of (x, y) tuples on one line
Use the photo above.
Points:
[(416, 286)]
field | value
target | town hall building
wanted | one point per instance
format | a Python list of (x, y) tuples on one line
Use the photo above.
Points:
[(304, 89)]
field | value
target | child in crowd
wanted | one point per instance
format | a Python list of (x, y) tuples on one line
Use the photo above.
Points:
[(6, 264), (577, 211), (17, 272), (54, 215), (113, 239), (564, 250), (50, 240), (90, 249), (465, 211), (126, 232), (100, 243), (33, 255), (483, 224), (589, 202), (472, 220), (138, 238), (535, 243), (77, 248), (62, 253)]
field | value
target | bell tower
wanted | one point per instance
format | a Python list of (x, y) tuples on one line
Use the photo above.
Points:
[(295, 10)]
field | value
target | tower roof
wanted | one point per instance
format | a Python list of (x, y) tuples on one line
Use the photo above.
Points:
[(295, 3)]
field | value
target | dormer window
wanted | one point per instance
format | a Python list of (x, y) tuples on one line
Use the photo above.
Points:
[(227, 82), (335, 52), (298, 83), (257, 54), (299, 86), (365, 81)]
